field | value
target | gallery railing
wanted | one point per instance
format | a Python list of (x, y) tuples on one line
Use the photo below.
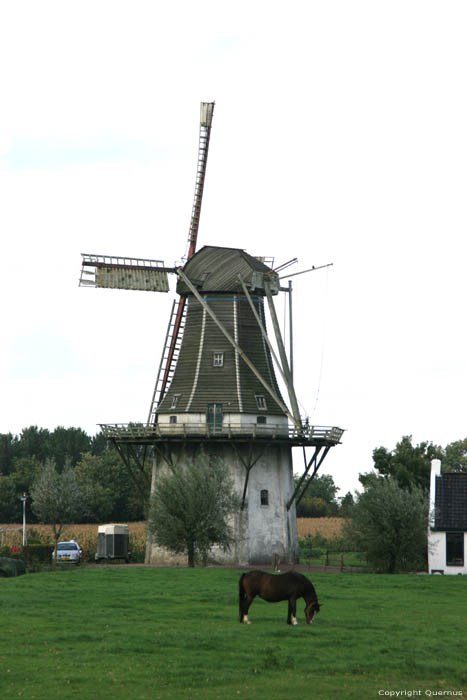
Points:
[(143, 431)]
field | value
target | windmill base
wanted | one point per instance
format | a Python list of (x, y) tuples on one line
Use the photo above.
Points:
[(265, 531)]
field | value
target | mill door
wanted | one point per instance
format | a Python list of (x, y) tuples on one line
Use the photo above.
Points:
[(214, 417)]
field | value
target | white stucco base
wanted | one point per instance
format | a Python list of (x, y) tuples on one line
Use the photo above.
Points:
[(437, 554), (263, 533)]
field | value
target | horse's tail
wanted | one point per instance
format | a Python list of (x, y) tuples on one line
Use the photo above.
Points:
[(241, 596)]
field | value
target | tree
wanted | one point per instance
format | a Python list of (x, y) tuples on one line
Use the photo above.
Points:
[(99, 444), (319, 499), (190, 508), (346, 505), (313, 507), (8, 451), (67, 443), (389, 524), (58, 499), (321, 487), (409, 465), (455, 456), (113, 496), (10, 505), (34, 442)]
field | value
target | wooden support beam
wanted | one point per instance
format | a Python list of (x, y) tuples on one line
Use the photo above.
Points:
[(311, 477), (283, 356)]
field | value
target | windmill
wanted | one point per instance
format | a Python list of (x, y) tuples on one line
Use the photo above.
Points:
[(216, 387)]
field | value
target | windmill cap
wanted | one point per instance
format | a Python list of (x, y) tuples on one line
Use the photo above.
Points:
[(216, 269)]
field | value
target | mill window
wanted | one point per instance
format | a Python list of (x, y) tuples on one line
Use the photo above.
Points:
[(217, 359), (173, 419), (175, 400), (261, 420), (261, 402), (454, 549), (264, 497)]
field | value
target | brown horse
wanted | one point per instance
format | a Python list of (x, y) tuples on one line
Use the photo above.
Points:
[(277, 587)]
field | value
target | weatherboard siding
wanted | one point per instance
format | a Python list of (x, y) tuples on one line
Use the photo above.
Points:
[(233, 385)]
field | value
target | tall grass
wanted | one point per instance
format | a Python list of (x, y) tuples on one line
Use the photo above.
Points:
[(143, 634)]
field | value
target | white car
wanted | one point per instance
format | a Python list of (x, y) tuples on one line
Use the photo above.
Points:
[(69, 551)]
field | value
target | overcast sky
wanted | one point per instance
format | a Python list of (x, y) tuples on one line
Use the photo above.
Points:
[(339, 136)]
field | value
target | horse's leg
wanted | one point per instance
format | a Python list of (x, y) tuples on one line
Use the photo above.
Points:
[(292, 612), (244, 599), (244, 607)]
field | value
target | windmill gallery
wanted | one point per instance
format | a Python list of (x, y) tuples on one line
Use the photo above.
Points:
[(217, 389)]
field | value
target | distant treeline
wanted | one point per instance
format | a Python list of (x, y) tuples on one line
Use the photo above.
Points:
[(96, 464)]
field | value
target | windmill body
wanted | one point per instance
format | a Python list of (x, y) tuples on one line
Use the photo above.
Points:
[(209, 370), (217, 389), (216, 402)]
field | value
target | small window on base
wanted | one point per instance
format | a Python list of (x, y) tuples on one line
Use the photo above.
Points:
[(264, 496), (261, 420), (173, 419)]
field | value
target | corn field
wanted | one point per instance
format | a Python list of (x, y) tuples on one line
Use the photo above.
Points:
[(329, 528), (85, 535)]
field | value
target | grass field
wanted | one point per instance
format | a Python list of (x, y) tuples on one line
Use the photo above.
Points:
[(129, 633)]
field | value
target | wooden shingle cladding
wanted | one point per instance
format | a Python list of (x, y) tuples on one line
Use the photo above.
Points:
[(199, 382)]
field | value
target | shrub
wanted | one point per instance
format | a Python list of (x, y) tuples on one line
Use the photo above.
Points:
[(389, 524), (11, 552), (40, 553), (11, 567), (190, 508)]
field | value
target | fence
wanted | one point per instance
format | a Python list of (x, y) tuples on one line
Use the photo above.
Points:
[(343, 560)]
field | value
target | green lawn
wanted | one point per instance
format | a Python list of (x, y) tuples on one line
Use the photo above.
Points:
[(148, 633)]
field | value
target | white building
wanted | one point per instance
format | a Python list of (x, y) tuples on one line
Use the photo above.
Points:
[(447, 529)]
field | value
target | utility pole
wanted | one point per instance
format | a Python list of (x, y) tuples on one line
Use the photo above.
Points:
[(23, 499)]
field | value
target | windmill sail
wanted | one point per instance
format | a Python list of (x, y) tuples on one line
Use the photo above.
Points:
[(170, 351), (114, 272)]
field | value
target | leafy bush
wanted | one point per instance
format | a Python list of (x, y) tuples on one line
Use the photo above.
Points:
[(309, 544), (332, 551), (389, 524), (190, 508), (11, 552), (40, 553), (11, 567)]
